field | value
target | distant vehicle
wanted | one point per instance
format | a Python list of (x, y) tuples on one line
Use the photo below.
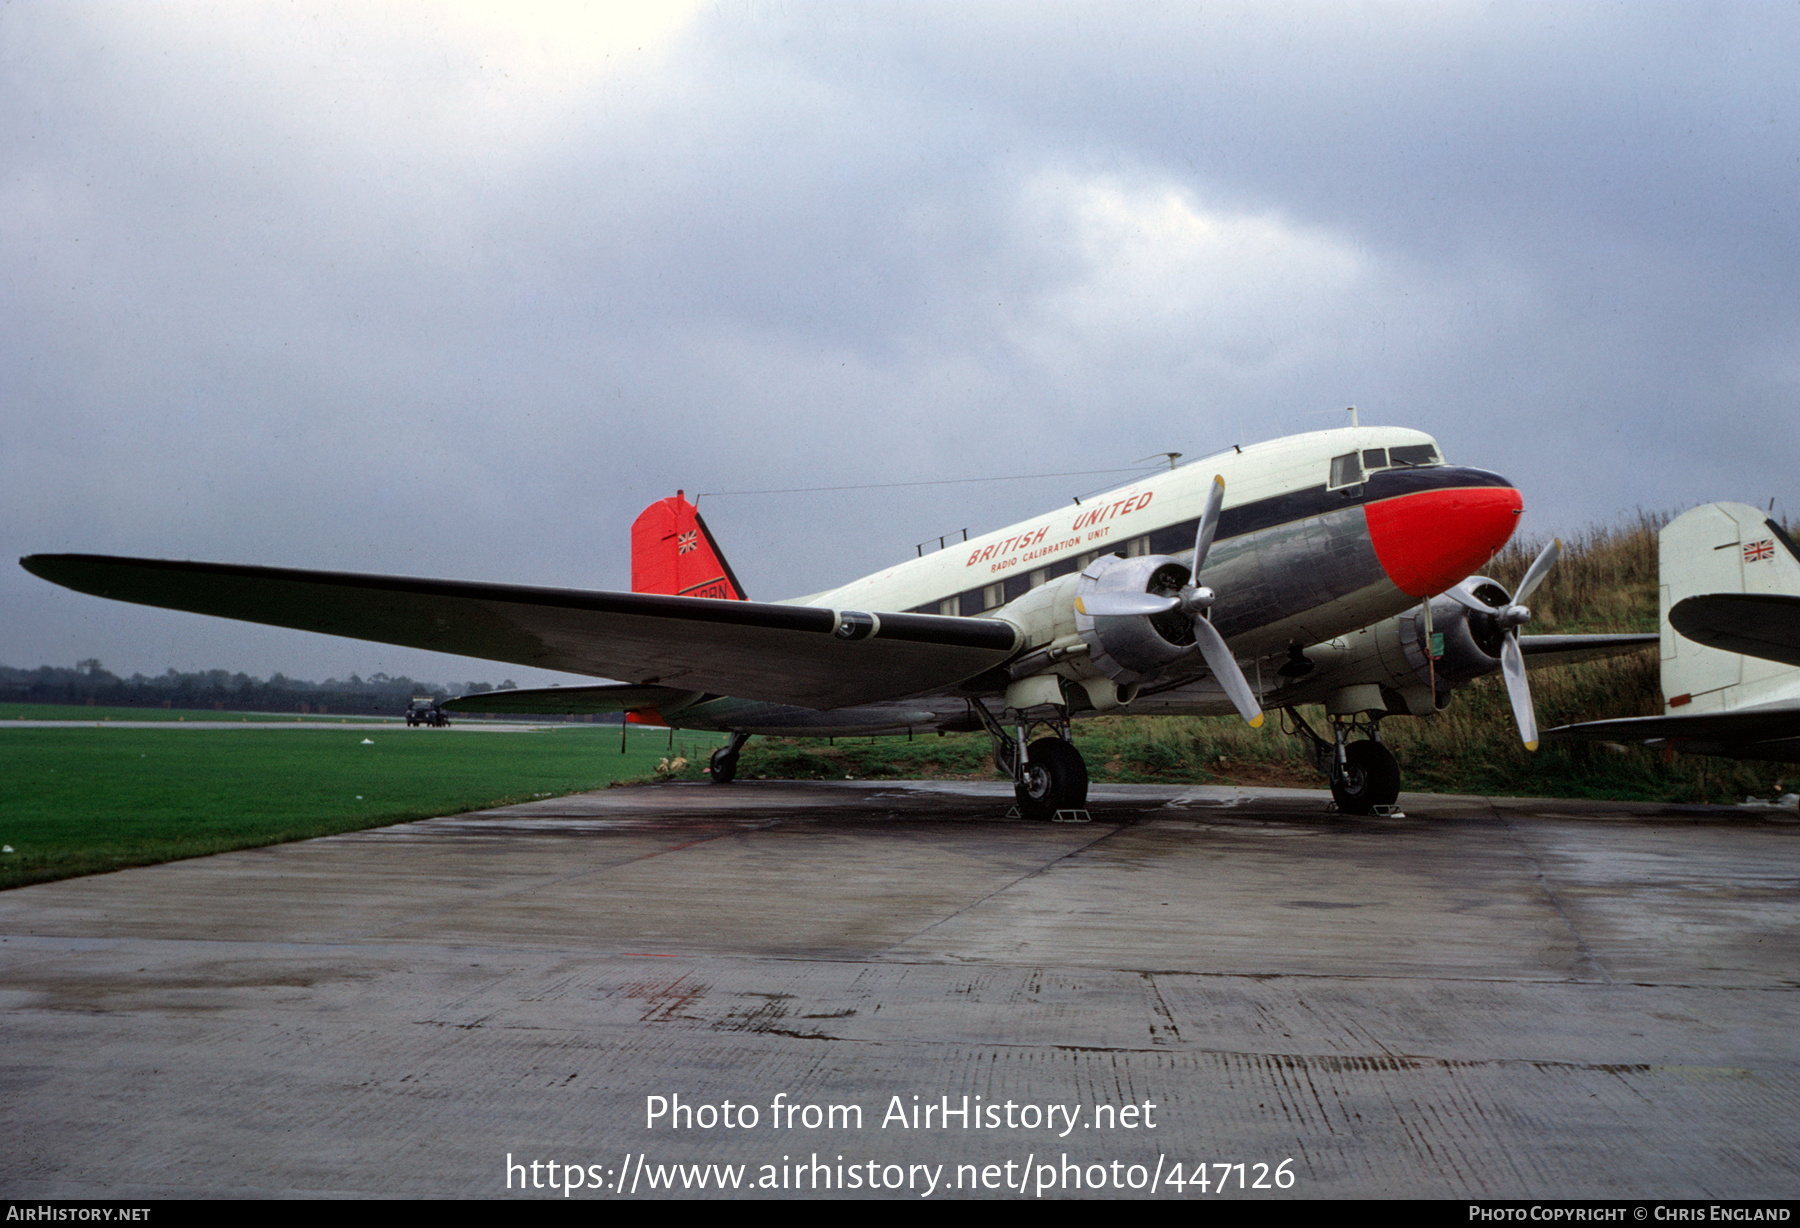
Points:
[(424, 710)]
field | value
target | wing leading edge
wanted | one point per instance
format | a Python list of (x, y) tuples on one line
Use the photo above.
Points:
[(802, 655)]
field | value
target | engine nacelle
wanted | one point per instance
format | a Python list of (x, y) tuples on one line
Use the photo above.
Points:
[(1471, 641), (1138, 647), (1392, 654)]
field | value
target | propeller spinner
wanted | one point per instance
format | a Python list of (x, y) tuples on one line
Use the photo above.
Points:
[(1195, 600)]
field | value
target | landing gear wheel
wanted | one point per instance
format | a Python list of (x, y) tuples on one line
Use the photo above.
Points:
[(1371, 778), (1056, 778), (722, 767)]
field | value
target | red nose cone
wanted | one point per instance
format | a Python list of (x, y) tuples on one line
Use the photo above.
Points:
[(1430, 540)]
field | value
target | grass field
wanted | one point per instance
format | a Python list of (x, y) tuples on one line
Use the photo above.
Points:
[(82, 800)]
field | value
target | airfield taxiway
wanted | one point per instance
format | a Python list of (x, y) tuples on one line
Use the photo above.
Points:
[(1483, 998)]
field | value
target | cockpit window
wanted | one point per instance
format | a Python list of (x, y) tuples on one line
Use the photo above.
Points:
[(1414, 454), (1346, 470), (1374, 458)]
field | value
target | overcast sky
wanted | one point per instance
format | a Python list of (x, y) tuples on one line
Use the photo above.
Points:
[(428, 290)]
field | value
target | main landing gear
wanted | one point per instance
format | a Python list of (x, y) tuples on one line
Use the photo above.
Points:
[(722, 768), (1364, 775), (1050, 778)]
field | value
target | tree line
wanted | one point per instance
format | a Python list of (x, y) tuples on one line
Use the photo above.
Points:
[(91, 683)]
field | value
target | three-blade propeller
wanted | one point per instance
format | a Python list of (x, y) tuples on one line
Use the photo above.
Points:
[(1194, 600), (1511, 617)]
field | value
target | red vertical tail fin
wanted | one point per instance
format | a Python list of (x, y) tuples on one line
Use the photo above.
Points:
[(672, 551)]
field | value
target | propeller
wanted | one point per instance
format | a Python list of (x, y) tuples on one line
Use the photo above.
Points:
[(1194, 600), (1511, 617)]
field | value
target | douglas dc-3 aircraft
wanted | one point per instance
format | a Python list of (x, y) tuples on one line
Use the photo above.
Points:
[(1277, 574)]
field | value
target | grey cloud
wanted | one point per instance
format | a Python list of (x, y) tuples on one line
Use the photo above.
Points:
[(356, 302)]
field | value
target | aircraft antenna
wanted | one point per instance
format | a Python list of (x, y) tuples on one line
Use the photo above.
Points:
[(1172, 458), (1351, 410)]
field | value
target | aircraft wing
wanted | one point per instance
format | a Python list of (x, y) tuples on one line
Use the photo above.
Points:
[(801, 655), (1761, 723), (1765, 625), (1543, 650)]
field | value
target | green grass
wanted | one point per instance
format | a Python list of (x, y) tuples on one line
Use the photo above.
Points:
[(83, 800)]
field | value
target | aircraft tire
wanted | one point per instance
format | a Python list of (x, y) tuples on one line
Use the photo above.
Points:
[(722, 767), (1371, 778), (1056, 778)]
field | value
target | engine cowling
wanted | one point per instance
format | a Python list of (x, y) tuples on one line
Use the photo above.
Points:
[(1472, 641), (1136, 647)]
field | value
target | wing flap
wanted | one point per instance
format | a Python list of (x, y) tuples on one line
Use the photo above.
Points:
[(803, 655)]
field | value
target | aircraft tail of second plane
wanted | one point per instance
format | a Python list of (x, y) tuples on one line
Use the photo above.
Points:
[(1730, 610)]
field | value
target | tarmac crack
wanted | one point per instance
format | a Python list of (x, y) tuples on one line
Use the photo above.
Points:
[(1004, 887), (1543, 881)]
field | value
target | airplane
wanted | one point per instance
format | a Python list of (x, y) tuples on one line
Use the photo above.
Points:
[(1730, 605), (1336, 571)]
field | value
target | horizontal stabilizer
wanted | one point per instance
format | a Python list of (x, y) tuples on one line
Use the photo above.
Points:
[(802, 655), (1763, 723), (1765, 625)]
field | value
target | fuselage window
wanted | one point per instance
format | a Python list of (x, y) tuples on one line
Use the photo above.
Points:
[(950, 605), (992, 596), (1137, 547), (1414, 454), (1346, 470)]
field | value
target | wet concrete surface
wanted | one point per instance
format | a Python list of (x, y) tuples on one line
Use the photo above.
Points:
[(1484, 998)]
